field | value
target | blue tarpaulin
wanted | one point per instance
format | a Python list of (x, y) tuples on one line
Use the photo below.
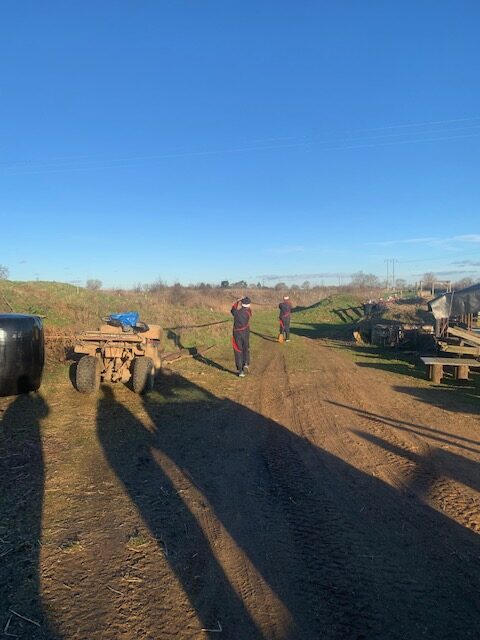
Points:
[(129, 318)]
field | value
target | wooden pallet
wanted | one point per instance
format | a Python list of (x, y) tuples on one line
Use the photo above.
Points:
[(459, 349), (470, 337)]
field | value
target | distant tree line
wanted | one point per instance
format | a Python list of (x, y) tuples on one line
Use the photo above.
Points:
[(358, 280)]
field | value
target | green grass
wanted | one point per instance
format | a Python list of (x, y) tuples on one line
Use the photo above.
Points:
[(65, 305), (137, 540), (326, 319)]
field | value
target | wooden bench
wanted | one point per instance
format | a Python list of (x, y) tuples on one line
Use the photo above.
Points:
[(435, 367)]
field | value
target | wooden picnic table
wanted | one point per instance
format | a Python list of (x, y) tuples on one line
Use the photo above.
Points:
[(435, 367)]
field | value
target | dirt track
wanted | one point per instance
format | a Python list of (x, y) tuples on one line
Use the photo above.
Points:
[(314, 499)]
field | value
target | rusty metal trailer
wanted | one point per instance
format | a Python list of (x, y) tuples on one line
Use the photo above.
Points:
[(113, 355)]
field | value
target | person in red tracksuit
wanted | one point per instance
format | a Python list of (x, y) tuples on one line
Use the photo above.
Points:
[(241, 313), (285, 313)]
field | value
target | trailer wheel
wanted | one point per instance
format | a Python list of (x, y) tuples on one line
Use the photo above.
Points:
[(87, 374), (143, 377)]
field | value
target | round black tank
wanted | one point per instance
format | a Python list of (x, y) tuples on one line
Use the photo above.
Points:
[(22, 353)]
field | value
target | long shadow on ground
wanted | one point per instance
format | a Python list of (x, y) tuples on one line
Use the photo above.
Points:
[(200, 357), (451, 396), (456, 467), (444, 437), (265, 336), (344, 554), (21, 500), (316, 330)]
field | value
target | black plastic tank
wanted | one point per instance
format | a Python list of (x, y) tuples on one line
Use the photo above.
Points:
[(22, 353)]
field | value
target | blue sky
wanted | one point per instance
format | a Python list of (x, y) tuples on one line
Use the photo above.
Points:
[(239, 140)]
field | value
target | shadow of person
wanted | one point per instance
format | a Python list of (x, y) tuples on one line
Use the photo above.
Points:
[(211, 363), (454, 466), (196, 355), (129, 447), (294, 542), (265, 336), (449, 398), (432, 433), (22, 489)]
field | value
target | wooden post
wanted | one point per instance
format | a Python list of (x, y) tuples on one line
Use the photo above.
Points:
[(461, 372), (436, 373)]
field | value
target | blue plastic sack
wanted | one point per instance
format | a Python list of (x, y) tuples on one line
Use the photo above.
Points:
[(129, 318)]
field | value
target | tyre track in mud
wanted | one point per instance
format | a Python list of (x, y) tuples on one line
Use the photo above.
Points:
[(409, 463), (404, 458), (288, 490), (315, 507), (342, 530), (322, 538), (414, 464)]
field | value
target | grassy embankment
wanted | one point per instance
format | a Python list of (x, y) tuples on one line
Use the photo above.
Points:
[(68, 309)]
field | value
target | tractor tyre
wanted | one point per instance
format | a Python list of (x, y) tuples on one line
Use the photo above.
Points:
[(87, 374), (143, 377)]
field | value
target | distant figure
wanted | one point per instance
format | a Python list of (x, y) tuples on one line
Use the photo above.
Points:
[(285, 313), (241, 313)]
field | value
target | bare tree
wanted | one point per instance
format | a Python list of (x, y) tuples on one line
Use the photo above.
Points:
[(94, 285), (428, 278), (4, 272), (158, 285), (464, 282), (363, 280)]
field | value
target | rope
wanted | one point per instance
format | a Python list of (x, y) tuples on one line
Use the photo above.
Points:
[(263, 304), (196, 326)]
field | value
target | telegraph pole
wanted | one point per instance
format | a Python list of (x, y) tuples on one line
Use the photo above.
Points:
[(388, 261)]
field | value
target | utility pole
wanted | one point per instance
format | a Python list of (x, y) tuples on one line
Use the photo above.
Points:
[(388, 261)]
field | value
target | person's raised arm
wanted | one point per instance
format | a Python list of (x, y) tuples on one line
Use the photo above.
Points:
[(235, 306)]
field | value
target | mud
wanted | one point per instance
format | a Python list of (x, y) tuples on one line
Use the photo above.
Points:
[(313, 499)]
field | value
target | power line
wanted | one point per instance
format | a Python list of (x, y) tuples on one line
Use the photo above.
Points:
[(462, 255), (423, 124), (336, 144)]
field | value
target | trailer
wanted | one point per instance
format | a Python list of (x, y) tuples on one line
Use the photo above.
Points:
[(114, 354)]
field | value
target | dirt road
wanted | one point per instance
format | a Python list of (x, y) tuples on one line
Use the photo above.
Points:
[(314, 499)]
